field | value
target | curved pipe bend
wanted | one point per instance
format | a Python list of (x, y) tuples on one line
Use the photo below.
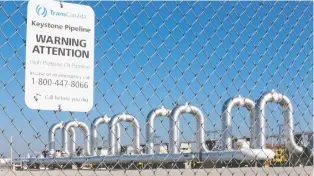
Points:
[(227, 119), (174, 127), (150, 128), (94, 138), (84, 128), (112, 132), (287, 109), (51, 137)]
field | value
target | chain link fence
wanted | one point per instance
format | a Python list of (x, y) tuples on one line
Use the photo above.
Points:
[(181, 88)]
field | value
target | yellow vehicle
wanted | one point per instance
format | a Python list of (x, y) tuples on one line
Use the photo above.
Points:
[(280, 157)]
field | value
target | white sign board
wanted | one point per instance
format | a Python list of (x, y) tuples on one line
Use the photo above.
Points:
[(59, 70)]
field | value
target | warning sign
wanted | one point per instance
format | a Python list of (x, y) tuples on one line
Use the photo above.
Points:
[(59, 71)]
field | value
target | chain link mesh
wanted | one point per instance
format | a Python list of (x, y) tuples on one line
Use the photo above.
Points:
[(150, 55)]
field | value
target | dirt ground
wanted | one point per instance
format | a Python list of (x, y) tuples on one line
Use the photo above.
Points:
[(291, 171)]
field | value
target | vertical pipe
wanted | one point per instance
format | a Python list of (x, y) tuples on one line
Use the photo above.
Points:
[(288, 121), (72, 140), (51, 137), (227, 119), (11, 153), (64, 141), (150, 129), (112, 132), (84, 128), (94, 138), (173, 126)]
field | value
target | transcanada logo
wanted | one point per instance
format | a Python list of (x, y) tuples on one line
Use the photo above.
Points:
[(43, 12)]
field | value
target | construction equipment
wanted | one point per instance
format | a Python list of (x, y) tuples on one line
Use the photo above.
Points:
[(281, 155)]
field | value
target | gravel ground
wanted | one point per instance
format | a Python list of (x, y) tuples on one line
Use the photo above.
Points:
[(291, 171)]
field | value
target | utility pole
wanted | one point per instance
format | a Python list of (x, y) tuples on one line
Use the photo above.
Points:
[(11, 148), (155, 137), (104, 143), (214, 132), (280, 134)]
